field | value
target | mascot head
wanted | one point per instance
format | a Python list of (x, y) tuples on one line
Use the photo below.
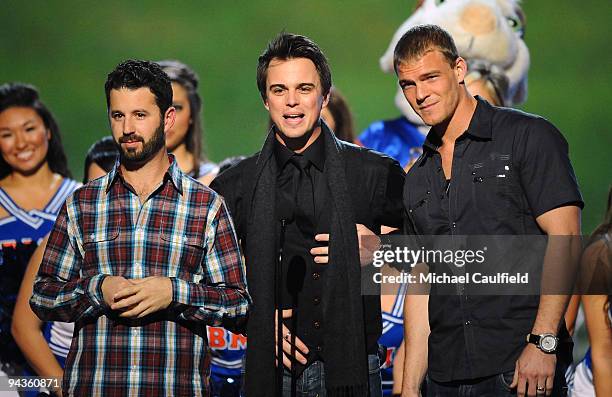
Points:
[(488, 34)]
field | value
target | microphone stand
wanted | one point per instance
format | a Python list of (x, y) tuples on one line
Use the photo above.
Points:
[(279, 312), (295, 282)]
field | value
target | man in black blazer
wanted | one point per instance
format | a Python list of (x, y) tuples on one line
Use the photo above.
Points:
[(308, 195)]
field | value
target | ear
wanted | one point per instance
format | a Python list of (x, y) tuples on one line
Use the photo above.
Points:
[(460, 69), (48, 134), (326, 100), (266, 105), (169, 118)]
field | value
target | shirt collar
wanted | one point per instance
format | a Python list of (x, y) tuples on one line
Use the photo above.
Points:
[(480, 127), (315, 153), (173, 173), (481, 123)]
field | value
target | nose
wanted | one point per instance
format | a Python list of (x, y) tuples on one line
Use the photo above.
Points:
[(477, 19), (421, 93), (292, 98), (128, 127), (20, 140)]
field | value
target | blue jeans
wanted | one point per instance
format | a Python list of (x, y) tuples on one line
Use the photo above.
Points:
[(311, 382), (492, 386)]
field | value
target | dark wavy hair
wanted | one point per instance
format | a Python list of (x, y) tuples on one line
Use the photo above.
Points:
[(182, 74), (26, 96), (104, 153), (290, 46), (133, 74)]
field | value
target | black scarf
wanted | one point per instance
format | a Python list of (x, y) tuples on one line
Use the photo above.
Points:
[(346, 370)]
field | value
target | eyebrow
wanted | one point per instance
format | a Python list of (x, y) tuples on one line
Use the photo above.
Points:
[(421, 77), (116, 111), (28, 121), (428, 74), (301, 85)]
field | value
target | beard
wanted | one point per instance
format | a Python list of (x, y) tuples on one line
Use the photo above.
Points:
[(149, 148)]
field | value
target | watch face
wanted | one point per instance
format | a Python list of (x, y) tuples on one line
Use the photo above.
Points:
[(548, 343)]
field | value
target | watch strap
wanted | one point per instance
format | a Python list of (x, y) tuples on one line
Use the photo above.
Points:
[(533, 338)]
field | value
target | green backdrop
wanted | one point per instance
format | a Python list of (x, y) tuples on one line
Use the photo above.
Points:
[(67, 48)]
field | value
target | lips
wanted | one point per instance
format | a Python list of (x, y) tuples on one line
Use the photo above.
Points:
[(427, 107), (293, 115), (293, 118), (130, 140)]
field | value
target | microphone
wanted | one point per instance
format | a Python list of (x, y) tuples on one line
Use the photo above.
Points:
[(285, 215)]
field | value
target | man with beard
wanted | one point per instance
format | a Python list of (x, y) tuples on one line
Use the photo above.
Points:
[(141, 259)]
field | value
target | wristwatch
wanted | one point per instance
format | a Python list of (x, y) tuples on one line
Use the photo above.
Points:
[(546, 342)]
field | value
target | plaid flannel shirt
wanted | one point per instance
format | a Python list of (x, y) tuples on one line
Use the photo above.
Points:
[(182, 231)]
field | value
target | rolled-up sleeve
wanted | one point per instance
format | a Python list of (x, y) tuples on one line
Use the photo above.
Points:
[(546, 172)]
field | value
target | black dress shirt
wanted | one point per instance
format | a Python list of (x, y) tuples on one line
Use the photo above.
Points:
[(303, 279), (508, 168)]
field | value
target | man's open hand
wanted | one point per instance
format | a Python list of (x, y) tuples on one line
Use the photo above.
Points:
[(534, 372), (368, 243), (292, 345)]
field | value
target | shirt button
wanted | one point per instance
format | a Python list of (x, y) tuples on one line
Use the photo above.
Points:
[(454, 224), (316, 324), (468, 322), (318, 348), (316, 300), (316, 276)]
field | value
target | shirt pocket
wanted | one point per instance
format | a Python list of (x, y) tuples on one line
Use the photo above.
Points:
[(181, 254), (495, 191), (417, 211), (101, 252)]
